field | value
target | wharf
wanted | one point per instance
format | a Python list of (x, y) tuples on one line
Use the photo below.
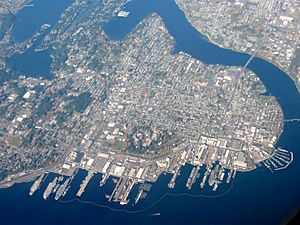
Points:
[(85, 183)]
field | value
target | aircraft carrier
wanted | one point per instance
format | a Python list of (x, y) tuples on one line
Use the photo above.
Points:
[(62, 189), (36, 185), (49, 188)]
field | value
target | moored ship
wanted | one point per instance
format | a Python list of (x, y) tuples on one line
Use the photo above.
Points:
[(49, 188), (36, 185), (61, 189)]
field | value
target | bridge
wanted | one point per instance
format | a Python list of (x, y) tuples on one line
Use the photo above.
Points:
[(254, 53), (292, 120), (250, 59)]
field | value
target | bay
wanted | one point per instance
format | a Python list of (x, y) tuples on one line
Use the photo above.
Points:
[(257, 197), (28, 21)]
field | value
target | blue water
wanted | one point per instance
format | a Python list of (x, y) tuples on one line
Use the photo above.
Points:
[(257, 197), (33, 63), (29, 20)]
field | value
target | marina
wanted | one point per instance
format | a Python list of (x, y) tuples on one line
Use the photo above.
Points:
[(280, 159)]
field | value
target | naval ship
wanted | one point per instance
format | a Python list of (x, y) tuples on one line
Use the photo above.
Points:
[(62, 189), (36, 184), (49, 188)]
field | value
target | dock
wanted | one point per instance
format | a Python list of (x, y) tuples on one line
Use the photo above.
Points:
[(122, 190), (207, 173), (104, 179), (171, 184), (193, 176), (279, 160), (85, 183)]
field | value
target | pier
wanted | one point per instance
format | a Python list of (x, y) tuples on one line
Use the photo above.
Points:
[(171, 184), (193, 176), (122, 190), (85, 183), (279, 160)]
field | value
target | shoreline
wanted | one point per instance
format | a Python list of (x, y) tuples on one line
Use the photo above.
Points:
[(25, 178), (31, 176), (236, 50)]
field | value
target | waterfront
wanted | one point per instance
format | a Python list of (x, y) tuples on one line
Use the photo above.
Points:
[(256, 196), (28, 21)]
